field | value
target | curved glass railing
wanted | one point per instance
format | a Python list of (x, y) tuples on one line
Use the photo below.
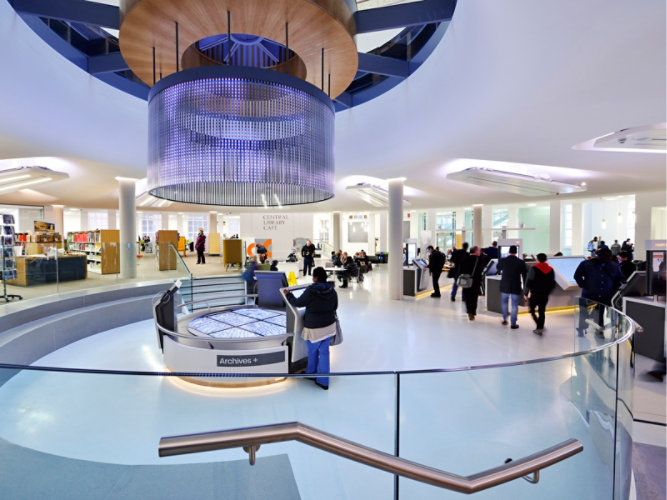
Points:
[(85, 427)]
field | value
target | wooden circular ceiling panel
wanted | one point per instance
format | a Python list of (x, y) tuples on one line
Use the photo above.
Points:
[(313, 25)]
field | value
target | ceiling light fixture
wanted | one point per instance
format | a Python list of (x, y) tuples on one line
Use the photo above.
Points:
[(13, 179), (371, 194), (241, 119), (525, 185), (643, 139)]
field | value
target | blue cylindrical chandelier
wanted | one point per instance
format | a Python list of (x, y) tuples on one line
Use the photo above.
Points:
[(240, 136), (240, 110)]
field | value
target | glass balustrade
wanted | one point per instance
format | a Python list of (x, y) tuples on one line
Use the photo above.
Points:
[(72, 428)]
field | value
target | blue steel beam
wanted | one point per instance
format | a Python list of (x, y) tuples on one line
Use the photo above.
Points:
[(77, 11), (106, 63), (400, 16), (345, 100), (381, 65)]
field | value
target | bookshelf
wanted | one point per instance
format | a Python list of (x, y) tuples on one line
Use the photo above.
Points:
[(7, 261), (101, 247), (166, 257)]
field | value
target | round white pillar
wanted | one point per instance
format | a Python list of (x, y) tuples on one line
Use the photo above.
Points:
[(128, 227), (395, 226)]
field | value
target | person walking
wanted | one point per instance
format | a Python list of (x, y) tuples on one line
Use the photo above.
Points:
[(321, 302), (200, 245), (436, 259), (308, 254), (472, 266), (540, 282), (513, 271), (615, 248), (458, 257), (599, 278)]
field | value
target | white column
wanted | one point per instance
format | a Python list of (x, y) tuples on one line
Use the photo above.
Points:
[(513, 221), (384, 245), (477, 225), (577, 229), (59, 219), (335, 228), (213, 222), (180, 223), (460, 223), (487, 224), (395, 226), (128, 227), (644, 203), (164, 223), (554, 226), (83, 217)]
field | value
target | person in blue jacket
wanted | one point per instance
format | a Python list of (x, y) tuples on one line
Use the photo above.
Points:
[(321, 301), (599, 279)]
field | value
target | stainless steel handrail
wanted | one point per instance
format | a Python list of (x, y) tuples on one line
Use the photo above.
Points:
[(250, 438)]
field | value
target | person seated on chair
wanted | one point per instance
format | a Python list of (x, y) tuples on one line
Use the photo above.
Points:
[(274, 265), (351, 270)]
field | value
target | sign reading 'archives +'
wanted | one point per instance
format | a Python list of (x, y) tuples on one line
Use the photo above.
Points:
[(252, 359)]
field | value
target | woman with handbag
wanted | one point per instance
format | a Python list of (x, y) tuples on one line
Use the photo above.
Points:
[(470, 280), (321, 301)]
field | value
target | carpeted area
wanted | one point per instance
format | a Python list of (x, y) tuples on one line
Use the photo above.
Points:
[(649, 465), (29, 474)]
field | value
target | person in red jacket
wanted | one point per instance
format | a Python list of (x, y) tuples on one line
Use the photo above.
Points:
[(540, 282)]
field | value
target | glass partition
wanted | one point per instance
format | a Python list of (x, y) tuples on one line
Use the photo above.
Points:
[(99, 427)]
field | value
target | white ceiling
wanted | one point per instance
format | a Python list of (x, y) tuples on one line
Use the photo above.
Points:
[(516, 81)]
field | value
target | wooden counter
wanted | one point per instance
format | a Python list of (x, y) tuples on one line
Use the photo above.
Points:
[(38, 270)]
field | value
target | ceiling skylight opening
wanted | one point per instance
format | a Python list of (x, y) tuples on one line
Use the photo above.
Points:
[(643, 139)]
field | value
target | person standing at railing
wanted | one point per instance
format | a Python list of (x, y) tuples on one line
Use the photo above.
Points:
[(599, 279), (321, 301), (200, 245)]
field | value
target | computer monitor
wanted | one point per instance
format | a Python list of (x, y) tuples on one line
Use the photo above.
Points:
[(564, 268), (411, 250), (655, 272), (420, 263), (505, 251)]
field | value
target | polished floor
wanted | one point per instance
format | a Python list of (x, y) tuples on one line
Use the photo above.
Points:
[(460, 421)]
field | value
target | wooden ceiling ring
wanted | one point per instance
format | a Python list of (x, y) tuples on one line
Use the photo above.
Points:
[(313, 25)]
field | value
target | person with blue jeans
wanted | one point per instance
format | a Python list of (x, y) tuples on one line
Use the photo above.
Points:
[(321, 301), (513, 276)]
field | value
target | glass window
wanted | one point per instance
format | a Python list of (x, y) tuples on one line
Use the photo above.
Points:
[(445, 221), (98, 220), (194, 223), (501, 217), (567, 226), (150, 223)]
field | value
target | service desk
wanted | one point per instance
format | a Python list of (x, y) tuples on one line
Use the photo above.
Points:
[(38, 270), (559, 297), (650, 315)]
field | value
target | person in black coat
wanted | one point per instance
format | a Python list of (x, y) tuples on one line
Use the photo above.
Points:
[(474, 266), (436, 259), (540, 282), (513, 272), (308, 254), (626, 266), (350, 270), (599, 279), (321, 302), (458, 257)]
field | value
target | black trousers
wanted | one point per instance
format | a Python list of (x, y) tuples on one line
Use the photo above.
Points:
[(200, 257), (538, 302), (470, 297), (307, 265), (436, 285)]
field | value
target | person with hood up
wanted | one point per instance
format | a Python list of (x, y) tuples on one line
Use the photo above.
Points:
[(321, 301), (540, 282)]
